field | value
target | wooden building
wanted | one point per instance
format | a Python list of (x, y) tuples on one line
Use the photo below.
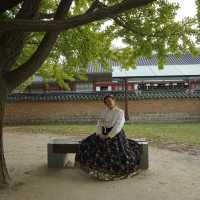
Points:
[(178, 73)]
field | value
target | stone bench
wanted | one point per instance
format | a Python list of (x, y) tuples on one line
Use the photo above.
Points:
[(58, 150)]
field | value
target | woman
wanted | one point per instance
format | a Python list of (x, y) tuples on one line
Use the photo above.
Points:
[(108, 154)]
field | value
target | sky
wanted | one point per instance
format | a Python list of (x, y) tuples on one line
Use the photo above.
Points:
[(187, 8)]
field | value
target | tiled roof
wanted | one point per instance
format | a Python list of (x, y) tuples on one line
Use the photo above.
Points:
[(90, 96), (153, 71), (186, 65), (99, 68), (186, 59)]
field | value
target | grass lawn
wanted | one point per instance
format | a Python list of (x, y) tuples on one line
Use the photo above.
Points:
[(180, 133)]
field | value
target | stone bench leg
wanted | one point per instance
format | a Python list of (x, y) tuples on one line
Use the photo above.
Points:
[(55, 160), (144, 162)]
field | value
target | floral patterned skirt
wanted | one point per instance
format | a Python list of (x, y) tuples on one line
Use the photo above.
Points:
[(109, 159)]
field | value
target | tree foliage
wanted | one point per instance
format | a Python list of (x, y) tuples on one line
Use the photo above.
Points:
[(146, 30)]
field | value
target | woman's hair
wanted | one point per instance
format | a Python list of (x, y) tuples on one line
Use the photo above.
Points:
[(108, 96)]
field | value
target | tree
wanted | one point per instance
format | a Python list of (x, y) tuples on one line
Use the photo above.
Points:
[(60, 38)]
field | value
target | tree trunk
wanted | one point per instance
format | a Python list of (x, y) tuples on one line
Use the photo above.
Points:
[(4, 176), (35, 62)]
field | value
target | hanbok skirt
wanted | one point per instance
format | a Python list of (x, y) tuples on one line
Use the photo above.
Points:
[(109, 159)]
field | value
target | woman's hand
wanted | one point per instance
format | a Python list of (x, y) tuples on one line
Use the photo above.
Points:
[(103, 137)]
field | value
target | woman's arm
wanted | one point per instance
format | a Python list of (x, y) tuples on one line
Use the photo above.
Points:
[(118, 125)]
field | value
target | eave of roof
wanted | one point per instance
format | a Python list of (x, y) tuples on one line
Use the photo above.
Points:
[(181, 71)]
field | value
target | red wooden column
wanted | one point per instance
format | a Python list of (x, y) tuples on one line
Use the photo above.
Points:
[(126, 99)]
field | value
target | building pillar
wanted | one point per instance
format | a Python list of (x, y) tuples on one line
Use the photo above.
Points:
[(126, 99)]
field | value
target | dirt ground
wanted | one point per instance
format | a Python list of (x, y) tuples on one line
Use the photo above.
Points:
[(171, 176)]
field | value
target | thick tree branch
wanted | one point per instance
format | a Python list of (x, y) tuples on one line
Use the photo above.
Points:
[(19, 75), (11, 42), (8, 4), (46, 15), (61, 25), (94, 6)]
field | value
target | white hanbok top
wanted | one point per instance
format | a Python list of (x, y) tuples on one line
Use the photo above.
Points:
[(111, 118)]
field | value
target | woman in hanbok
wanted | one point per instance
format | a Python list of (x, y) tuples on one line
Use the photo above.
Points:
[(108, 154)]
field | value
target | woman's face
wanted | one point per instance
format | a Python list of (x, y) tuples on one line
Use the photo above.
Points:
[(110, 103)]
